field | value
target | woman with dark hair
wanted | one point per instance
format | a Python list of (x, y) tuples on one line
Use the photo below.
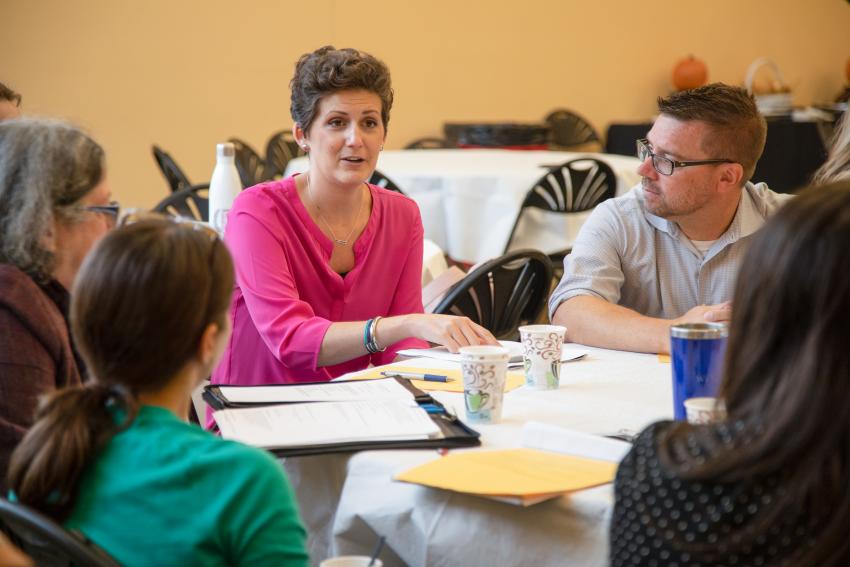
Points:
[(116, 459), (54, 205), (328, 267), (767, 485)]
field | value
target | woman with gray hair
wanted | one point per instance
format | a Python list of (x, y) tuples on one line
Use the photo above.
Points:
[(837, 166), (54, 205)]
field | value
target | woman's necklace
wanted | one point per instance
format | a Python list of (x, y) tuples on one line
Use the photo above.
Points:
[(341, 242)]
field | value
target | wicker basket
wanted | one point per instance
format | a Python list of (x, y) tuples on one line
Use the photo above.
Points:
[(774, 104)]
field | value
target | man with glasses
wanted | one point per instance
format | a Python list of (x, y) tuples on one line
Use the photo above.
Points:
[(668, 251)]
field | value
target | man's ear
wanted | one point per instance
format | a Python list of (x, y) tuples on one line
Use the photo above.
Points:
[(206, 348), (731, 177)]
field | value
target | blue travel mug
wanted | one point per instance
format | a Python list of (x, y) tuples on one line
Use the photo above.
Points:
[(696, 351)]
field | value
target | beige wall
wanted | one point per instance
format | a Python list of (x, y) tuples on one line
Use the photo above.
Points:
[(185, 75)]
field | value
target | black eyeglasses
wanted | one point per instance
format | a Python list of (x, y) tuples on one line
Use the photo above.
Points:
[(112, 208), (666, 166)]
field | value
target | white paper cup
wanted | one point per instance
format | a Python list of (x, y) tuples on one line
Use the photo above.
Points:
[(484, 370), (704, 410), (350, 561), (542, 355)]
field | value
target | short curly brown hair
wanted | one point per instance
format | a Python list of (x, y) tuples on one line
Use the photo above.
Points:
[(328, 70)]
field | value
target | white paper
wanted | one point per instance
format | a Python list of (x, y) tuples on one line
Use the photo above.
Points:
[(442, 353), (382, 389), (297, 425), (569, 352), (536, 435)]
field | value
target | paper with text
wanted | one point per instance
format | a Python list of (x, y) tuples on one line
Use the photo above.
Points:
[(326, 423), (387, 389)]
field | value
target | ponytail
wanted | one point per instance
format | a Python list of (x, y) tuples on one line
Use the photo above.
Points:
[(71, 428)]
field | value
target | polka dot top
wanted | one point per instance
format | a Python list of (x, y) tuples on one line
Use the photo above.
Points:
[(660, 519)]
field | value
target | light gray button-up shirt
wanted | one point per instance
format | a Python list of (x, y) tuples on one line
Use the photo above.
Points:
[(625, 255)]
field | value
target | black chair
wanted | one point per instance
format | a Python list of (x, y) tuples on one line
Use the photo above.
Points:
[(174, 176), (574, 186), (192, 203), (502, 294), (280, 148), (48, 543), (382, 180), (249, 164), (428, 144), (568, 129)]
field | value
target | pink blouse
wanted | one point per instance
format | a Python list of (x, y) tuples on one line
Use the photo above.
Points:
[(287, 295)]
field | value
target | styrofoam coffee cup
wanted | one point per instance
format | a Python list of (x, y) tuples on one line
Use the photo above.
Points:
[(704, 410), (350, 561)]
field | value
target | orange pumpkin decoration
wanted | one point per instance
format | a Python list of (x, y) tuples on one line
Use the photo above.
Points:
[(689, 73)]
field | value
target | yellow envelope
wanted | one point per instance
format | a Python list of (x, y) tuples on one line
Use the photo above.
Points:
[(514, 379), (521, 476)]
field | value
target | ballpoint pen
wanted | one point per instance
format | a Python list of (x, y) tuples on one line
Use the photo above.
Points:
[(418, 376)]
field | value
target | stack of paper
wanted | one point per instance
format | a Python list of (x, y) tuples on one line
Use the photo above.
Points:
[(378, 410), (328, 423), (442, 353), (386, 389), (517, 476), (513, 379), (553, 461), (515, 350)]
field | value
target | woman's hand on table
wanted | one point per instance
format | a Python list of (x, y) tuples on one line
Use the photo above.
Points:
[(450, 331)]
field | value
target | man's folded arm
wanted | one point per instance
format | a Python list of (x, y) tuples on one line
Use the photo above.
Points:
[(596, 322)]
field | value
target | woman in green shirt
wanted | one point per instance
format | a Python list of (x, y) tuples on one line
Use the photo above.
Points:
[(116, 459)]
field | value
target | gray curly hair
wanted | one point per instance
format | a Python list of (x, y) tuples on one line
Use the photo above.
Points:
[(46, 167)]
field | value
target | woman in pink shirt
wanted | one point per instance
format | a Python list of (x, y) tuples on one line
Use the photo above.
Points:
[(328, 267)]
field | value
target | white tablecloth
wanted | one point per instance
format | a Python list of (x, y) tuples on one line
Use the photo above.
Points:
[(347, 500), (469, 199)]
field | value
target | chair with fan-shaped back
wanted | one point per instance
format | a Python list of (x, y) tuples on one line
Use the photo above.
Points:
[(575, 186), (382, 180), (174, 176), (502, 294), (249, 164), (192, 203), (280, 148), (428, 144), (46, 542), (568, 129)]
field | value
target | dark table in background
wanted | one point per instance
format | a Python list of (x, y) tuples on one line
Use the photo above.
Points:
[(794, 150)]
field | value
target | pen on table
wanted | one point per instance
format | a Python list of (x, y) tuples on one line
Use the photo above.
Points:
[(419, 376)]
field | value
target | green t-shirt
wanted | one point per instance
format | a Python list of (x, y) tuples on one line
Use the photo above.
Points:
[(164, 492)]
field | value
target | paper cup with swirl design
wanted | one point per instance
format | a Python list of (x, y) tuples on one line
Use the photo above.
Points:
[(542, 355), (484, 370)]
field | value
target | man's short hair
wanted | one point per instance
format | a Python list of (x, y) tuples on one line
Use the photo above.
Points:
[(8, 94), (738, 129)]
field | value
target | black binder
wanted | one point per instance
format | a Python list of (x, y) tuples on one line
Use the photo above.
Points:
[(455, 433)]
